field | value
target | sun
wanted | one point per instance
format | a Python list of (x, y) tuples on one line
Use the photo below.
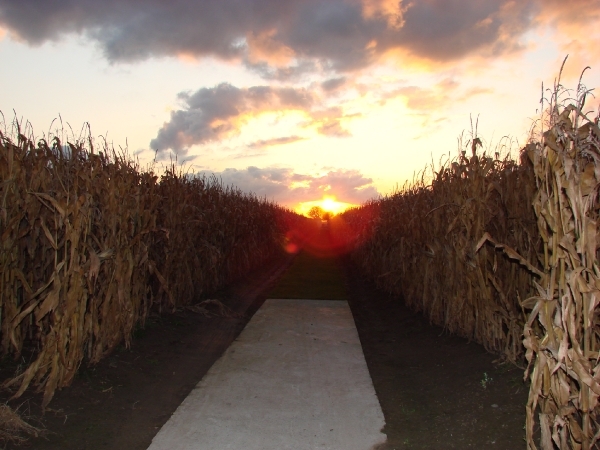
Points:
[(331, 206)]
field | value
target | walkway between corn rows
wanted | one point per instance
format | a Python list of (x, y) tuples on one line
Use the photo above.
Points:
[(295, 378)]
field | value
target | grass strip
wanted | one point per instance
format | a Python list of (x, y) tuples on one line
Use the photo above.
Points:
[(312, 277)]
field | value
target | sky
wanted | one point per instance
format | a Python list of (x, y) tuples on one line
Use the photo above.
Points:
[(294, 100)]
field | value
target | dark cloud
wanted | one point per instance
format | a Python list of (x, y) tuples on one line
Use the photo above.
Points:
[(335, 31), (278, 38), (444, 30), (211, 114), (288, 187)]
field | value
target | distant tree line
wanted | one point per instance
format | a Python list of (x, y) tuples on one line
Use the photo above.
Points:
[(316, 212)]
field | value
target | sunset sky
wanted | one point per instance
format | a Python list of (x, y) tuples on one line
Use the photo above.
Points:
[(292, 99)]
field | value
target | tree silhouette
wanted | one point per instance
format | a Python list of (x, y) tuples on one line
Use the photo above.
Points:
[(316, 212)]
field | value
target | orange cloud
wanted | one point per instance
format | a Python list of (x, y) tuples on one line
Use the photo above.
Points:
[(423, 98), (577, 31), (391, 10), (328, 122), (275, 141), (570, 16), (437, 97), (188, 58), (263, 46)]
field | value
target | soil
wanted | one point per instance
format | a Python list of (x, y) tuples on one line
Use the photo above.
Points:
[(436, 391)]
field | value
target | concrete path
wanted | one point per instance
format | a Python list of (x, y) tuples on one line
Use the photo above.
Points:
[(295, 379)]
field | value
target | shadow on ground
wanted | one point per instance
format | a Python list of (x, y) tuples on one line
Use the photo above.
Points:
[(436, 391)]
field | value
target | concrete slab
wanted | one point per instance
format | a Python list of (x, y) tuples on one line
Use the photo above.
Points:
[(295, 379)]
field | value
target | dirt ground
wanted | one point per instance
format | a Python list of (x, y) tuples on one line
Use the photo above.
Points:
[(436, 391)]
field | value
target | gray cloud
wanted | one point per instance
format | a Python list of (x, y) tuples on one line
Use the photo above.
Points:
[(287, 73), (212, 114), (281, 184), (444, 30), (333, 84), (279, 38)]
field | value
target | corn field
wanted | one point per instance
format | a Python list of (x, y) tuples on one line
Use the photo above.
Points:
[(91, 245), (505, 253)]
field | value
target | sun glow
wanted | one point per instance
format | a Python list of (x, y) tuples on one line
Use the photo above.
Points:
[(330, 205), (327, 204)]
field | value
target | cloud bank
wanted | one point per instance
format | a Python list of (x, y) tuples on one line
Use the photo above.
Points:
[(287, 187), (279, 37)]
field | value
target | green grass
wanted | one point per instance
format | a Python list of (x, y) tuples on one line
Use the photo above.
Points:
[(311, 277)]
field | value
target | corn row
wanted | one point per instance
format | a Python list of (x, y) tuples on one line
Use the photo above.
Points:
[(506, 254), (421, 243), (91, 244)]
